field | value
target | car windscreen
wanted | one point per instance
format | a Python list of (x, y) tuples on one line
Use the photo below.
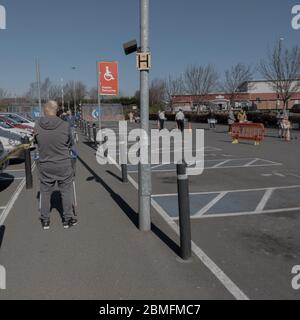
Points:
[(16, 118), (11, 120), (5, 125)]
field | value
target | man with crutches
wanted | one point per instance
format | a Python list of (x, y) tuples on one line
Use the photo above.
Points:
[(54, 140)]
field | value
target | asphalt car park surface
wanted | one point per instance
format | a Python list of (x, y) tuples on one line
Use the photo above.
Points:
[(10, 180), (245, 209)]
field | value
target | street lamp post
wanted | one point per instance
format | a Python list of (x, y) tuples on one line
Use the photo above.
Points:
[(62, 94), (280, 51), (38, 80), (144, 169), (74, 88)]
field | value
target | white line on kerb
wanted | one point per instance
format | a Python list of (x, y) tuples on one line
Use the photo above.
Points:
[(236, 292), (214, 269), (13, 199)]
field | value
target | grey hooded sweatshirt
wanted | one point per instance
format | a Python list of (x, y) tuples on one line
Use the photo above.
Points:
[(53, 137)]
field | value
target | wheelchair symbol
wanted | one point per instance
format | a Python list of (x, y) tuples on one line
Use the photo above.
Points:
[(108, 76)]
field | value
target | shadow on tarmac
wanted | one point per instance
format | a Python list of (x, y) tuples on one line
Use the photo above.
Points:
[(131, 214), (5, 181), (114, 175)]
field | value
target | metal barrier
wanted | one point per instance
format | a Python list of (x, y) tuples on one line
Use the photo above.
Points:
[(247, 131)]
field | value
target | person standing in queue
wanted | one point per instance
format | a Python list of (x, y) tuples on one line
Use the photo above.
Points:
[(54, 140), (231, 120), (180, 120), (161, 119)]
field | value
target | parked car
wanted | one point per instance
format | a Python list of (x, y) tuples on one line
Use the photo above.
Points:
[(8, 126), (15, 124), (3, 162), (295, 108), (11, 140), (18, 118)]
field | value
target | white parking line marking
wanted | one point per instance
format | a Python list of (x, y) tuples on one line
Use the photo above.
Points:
[(279, 174), (220, 164), (236, 292), (210, 204), (13, 199), (249, 164), (260, 207), (240, 214), (228, 191)]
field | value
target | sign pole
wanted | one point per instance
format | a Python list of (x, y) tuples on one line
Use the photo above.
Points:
[(38, 80), (144, 169), (99, 95)]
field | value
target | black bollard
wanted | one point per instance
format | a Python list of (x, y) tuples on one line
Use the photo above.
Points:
[(95, 134), (28, 167), (89, 132), (86, 129), (124, 173), (123, 158), (184, 212)]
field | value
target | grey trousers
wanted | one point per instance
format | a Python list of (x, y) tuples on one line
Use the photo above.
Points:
[(62, 174)]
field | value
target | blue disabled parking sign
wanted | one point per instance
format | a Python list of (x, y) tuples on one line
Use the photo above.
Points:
[(96, 114)]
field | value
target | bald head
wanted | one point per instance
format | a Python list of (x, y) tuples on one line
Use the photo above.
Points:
[(50, 108)]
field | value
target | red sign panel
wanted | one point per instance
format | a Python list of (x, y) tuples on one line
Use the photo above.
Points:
[(109, 82)]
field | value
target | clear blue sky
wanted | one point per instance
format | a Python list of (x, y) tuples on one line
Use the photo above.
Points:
[(63, 33)]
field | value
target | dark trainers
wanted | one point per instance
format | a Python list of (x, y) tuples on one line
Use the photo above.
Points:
[(66, 225), (45, 225), (70, 223), (73, 222)]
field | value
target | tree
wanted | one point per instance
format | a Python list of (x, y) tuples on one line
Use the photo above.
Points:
[(173, 87), (200, 81), (80, 92), (157, 94), (45, 89), (55, 92), (281, 69), (93, 94), (234, 78), (3, 93), (32, 93)]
